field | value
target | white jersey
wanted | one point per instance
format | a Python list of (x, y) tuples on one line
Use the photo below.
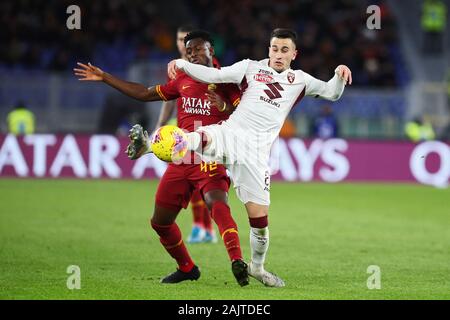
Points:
[(268, 96)]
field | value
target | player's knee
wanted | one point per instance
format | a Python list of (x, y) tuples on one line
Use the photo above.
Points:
[(158, 228), (215, 197), (256, 210), (156, 224), (163, 216)]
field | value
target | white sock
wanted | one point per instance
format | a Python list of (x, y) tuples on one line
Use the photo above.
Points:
[(194, 140), (259, 243)]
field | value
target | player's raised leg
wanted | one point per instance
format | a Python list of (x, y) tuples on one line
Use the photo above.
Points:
[(198, 141), (216, 198), (259, 244)]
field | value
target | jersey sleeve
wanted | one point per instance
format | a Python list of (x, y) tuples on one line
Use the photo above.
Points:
[(168, 91), (331, 90), (232, 74)]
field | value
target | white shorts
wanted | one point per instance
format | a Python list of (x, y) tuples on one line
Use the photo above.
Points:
[(252, 184), (246, 162)]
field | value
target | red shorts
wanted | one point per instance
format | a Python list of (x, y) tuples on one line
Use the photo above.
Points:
[(179, 181)]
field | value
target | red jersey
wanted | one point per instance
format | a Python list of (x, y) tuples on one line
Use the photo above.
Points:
[(193, 105)]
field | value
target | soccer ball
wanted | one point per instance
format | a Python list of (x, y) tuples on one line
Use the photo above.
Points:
[(169, 143)]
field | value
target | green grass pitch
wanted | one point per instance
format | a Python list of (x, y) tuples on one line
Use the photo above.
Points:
[(323, 238)]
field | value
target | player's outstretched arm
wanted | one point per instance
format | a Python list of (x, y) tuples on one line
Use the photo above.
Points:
[(331, 90), (232, 74), (135, 90)]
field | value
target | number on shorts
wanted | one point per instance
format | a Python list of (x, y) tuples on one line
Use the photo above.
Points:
[(204, 166)]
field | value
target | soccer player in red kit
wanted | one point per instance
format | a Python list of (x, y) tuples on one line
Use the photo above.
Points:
[(202, 227), (199, 105)]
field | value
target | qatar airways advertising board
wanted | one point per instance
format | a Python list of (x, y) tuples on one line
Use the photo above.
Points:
[(295, 159)]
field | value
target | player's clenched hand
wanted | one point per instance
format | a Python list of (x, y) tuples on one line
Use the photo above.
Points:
[(88, 72), (216, 100), (172, 69), (344, 73)]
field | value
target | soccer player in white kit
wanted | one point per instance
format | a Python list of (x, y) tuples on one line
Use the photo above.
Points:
[(270, 88)]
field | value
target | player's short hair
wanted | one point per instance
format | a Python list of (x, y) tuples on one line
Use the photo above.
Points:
[(199, 34), (185, 28), (284, 34)]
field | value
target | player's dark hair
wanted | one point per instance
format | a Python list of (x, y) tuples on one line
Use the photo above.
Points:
[(199, 34), (284, 34), (186, 28)]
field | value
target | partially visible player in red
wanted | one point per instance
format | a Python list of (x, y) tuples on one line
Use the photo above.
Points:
[(199, 105), (202, 227)]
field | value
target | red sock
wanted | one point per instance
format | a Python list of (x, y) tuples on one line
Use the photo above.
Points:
[(228, 229), (170, 237), (207, 221)]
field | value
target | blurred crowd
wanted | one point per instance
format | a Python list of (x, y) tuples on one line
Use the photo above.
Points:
[(117, 32), (330, 33)]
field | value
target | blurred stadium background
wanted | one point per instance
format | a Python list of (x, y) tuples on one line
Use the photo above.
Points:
[(323, 240), (394, 79)]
